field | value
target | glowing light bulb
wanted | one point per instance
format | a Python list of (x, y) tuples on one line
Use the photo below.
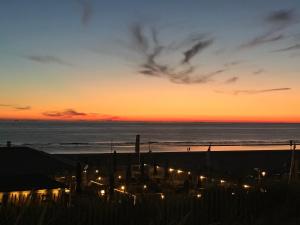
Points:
[(179, 171)]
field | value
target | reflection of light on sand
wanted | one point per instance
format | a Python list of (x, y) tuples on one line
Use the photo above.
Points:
[(172, 148), (168, 147)]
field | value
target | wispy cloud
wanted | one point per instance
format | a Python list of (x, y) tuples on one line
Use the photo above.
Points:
[(231, 80), (86, 11), (195, 49), (66, 113), (238, 92), (233, 63), (290, 48), (16, 107), (146, 43), (253, 91), (282, 18), (268, 37), (276, 21), (47, 59), (259, 71), (73, 114)]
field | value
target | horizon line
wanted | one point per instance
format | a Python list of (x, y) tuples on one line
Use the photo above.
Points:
[(152, 121)]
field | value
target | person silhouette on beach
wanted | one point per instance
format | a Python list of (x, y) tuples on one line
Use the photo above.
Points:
[(209, 148)]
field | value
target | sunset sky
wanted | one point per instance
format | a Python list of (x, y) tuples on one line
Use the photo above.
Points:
[(172, 60)]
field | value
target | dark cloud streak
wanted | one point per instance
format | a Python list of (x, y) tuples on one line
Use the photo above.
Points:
[(195, 49), (290, 48), (86, 10), (251, 92), (47, 59), (231, 80), (16, 107), (277, 21), (65, 113)]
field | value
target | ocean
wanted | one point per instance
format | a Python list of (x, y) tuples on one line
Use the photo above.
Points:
[(99, 137)]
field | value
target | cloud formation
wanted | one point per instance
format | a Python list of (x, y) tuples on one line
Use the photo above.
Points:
[(252, 91), (290, 48), (276, 21), (86, 11), (47, 59), (195, 49), (16, 107), (238, 92), (66, 113), (259, 71), (71, 113), (231, 80), (146, 43)]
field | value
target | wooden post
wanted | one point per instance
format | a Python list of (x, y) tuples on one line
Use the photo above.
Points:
[(137, 147)]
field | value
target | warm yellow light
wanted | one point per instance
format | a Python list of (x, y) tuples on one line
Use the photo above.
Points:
[(122, 187), (232, 193), (199, 195), (55, 191), (145, 186), (14, 194), (263, 173), (202, 177), (162, 196), (1, 197), (171, 169), (84, 171), (99, 178), (119, 177), (102, 192), (67, 190), (189, 173), (222, 181), (179, 171), (25, 193), (96, 171), (246, 186), (42, 191)]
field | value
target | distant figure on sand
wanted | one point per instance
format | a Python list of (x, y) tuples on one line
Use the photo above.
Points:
[(209, 148), (188, 149)]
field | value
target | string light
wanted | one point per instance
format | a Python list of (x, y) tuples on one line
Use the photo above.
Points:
[(246, 186), (179, 171)]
